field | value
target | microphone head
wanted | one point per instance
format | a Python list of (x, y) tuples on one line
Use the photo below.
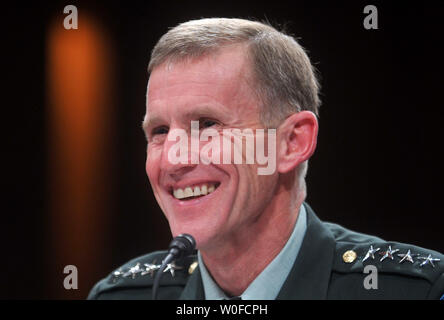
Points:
[(184, 243)]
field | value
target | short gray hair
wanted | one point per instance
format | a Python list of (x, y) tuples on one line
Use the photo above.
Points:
[(286, 80)]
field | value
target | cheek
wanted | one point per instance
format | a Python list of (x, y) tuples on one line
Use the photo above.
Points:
[(255, 188), (152, 165)]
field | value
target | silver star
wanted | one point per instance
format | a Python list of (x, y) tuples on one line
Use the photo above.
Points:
[(133, 271), (370, 253), (406, 256), (117, 274), (428, 259), (149, 269), (171, 267), (388, 254)]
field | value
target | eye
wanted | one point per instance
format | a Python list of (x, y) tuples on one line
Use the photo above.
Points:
[(207, 123), (160, 130)]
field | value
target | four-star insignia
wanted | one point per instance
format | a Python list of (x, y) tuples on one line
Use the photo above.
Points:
[(429, 260), (388, 254), (148, 268), (370, 253), (407, 256)]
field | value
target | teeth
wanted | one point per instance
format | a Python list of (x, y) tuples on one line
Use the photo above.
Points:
[(178, 193), (188, 192), (193, 191)]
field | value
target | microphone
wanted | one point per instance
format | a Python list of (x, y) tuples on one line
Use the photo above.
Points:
[(181, 246)]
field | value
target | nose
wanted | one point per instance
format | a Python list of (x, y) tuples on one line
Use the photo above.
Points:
[(178, 154)]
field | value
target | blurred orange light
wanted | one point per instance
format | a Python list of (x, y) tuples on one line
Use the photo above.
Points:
[(79, 88)]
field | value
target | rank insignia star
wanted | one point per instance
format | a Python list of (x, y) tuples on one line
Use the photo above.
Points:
[(149, 269), (370, 253), (408, 256), (388, 254), (171, 267), (428, 260), (133, 271), (117, 274)]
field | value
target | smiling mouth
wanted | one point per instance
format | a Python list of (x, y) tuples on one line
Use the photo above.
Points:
[(195, 191)]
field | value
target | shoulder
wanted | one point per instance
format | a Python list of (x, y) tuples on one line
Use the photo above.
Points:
[(397, 270), (134, 279)]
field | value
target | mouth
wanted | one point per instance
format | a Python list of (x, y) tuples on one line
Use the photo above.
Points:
[(194, 191)]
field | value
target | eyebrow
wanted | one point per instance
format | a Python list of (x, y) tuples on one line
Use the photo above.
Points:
[(150, 122), (204, 111)]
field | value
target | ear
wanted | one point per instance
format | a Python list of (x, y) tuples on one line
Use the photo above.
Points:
[(297, 137)]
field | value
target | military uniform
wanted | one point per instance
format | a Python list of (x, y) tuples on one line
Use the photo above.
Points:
[(330, 265)]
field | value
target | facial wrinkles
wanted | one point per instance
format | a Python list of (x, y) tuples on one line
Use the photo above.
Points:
[(184, 86), (213, 80), (244, 104), (244, 108)]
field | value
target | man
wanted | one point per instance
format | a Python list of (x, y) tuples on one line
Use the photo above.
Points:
[(256, 238)]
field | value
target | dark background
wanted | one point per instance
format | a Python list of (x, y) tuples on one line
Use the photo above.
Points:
[(377, 168)]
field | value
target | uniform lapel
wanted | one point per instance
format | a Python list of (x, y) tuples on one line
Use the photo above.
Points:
[(310, 274), (194, 288)]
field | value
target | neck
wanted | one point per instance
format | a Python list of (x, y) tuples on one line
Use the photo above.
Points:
[(238, 261)]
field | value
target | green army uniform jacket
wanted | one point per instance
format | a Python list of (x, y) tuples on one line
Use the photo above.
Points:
[(330, 265)]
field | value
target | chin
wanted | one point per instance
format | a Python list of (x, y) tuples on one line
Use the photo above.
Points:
[(203, 236), (203, 217)]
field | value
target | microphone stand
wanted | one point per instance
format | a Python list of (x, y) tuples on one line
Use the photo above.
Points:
[(181, 246)]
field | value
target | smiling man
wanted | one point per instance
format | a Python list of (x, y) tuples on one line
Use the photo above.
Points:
[(255, 235)]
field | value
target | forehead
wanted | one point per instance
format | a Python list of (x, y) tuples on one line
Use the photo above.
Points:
[(223, 78)]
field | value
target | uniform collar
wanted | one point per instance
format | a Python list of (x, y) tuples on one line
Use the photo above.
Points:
[(310, 274)]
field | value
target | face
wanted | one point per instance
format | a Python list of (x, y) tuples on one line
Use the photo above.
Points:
[(216, 91)]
